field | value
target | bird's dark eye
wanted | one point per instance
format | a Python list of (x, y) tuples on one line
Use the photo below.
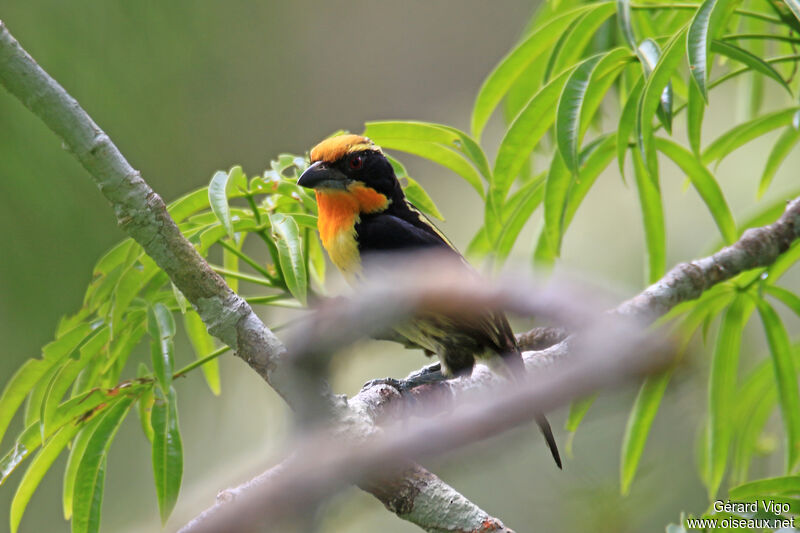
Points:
[(356, 162)]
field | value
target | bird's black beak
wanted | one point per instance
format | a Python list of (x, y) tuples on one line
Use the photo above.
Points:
[(321, 176)]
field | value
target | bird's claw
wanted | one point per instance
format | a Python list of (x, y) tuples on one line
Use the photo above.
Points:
[(398, 384)]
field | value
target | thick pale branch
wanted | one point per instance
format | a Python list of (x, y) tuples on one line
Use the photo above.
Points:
[(758, 247)]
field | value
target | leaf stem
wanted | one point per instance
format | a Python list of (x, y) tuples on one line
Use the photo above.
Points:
[(200, 362)]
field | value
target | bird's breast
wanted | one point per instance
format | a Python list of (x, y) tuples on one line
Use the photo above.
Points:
[(338, 213)]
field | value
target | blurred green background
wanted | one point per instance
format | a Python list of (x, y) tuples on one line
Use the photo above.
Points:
[(187, 88)]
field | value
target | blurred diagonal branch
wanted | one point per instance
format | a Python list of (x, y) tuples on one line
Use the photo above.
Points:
[(606, 351), (143, 215)]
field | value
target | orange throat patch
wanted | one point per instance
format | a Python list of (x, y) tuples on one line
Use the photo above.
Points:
[(339, 211)]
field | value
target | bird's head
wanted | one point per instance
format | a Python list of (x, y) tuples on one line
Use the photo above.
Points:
[(352, 165)]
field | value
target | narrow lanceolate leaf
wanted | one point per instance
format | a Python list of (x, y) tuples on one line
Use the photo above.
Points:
[(522, 137), (653, 97), (218, 198), (290, 253), (627, 122), (517, 61), (653, 218), (794, 6), (144, 404), (649, 56), (751, 60), (705, 184), (783, 146), (568, 111), (695, 109), (556, 190), (36, 471), (625, 24), (447, 136), (531, 195), (638, 427), (74, 460), (722, 391), (785, 379), (746, 132), (577, 411), (698, 44), (167, 452), (33, 370), (87, 498), (775, 485), (420, 199), (203, 344), (161, 328)]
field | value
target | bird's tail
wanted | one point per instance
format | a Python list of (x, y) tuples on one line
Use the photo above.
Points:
[(515, 367), (544, 426)]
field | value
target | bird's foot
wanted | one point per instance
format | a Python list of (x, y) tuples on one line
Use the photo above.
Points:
[(425, 376)]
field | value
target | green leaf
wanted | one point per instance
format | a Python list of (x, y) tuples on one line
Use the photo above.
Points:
[(90, 478), (419, 198), (638, 427), (530, 196), (794, 7), (144, 404), (653, 94), (290, 252), (627, 121), (448, 136), (316, 259), (783, 146), (74, 460), (555, 199), (653, 218), (161, 328), (785, 379), (33, 370), (36, 471), (756, 400), (577, 411), (203, 344), (167, 452), (221, 184), (580, 35), (65, 377), (722, 390), (775, 485), (698, 43), (517, 61), (745, 132), (568, 111), (594, 159), (189, 204), (751, 60), (649, 55), (625, 24), (705, 184), (696, 108), (521, 138)]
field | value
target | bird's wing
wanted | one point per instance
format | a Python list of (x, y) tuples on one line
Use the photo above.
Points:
[(386, 232)]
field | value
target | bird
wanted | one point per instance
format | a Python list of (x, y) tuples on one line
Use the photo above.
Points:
[(362, 210)]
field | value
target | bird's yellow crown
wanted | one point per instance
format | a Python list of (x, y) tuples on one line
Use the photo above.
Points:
[(334, 148)]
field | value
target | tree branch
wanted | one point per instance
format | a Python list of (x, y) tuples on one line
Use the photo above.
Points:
[(143, 215)]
